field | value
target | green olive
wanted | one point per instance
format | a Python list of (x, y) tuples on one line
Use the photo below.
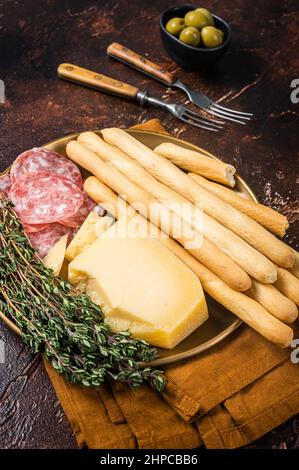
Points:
[(208, 15), (211, 37), (197, 19), (175, 26), (190, 35)]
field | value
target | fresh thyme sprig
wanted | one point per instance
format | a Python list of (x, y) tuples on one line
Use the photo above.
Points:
[(61, 322)]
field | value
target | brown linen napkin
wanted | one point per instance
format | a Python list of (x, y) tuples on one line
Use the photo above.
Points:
[(226, 397)]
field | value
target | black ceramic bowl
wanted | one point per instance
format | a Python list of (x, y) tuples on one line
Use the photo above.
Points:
[(189, 56)]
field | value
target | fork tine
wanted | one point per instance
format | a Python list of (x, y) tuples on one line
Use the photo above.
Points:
[(199, 121), (198, 118), (225, 113), (197, 124), (217, 113), (216, 105), (204, 118)]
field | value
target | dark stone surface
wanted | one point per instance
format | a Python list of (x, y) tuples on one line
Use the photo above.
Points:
[(255, 75)]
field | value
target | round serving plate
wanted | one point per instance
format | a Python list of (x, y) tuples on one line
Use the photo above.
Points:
[(221, 323)]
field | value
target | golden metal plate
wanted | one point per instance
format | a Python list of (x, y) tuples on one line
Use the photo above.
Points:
[(221, 322)]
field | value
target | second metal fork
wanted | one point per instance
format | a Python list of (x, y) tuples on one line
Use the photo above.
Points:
[(210, 106)]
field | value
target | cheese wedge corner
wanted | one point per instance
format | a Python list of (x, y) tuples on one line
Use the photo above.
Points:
[(141, 286), (55, 257), (90, 230)]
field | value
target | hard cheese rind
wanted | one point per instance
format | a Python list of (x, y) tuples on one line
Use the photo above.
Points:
[(55, 257), (141, 287), (91, 229)]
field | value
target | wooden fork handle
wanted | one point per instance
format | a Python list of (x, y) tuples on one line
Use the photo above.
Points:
[(96, 80), (137, 61)]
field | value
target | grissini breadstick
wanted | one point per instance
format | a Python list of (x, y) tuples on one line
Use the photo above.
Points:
[(197, 162), (274, 301), (172, 176), (269, 218), (251, 312), (287, 284), (157, 213), (253, 262), (295, 268)]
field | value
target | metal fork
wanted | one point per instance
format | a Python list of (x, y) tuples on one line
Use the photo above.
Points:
[(129, 57), (179, 111), (100, 82), (210, 106)]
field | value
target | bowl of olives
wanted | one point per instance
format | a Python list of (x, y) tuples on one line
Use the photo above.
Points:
[(194, 37)]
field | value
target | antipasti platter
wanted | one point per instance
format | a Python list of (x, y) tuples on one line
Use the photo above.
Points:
[(168, 298)]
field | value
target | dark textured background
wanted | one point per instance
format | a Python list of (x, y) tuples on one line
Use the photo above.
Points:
[(255, 75)]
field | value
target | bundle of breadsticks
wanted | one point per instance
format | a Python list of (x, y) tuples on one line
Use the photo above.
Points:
[(240, 262)]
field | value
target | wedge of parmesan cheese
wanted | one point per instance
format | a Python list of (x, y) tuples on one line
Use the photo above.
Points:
[(141, 286), (55, 257), (93, 227)]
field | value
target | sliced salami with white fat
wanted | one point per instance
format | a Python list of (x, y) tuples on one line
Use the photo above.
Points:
[(5, 185), (42, 197), (77, 220), (41, 159), (45, 239)]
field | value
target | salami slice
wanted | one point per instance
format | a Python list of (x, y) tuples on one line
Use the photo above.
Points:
[(40, 159), (5, 185), (42, 198), (34, 228), (77, 220), (43, 240)]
